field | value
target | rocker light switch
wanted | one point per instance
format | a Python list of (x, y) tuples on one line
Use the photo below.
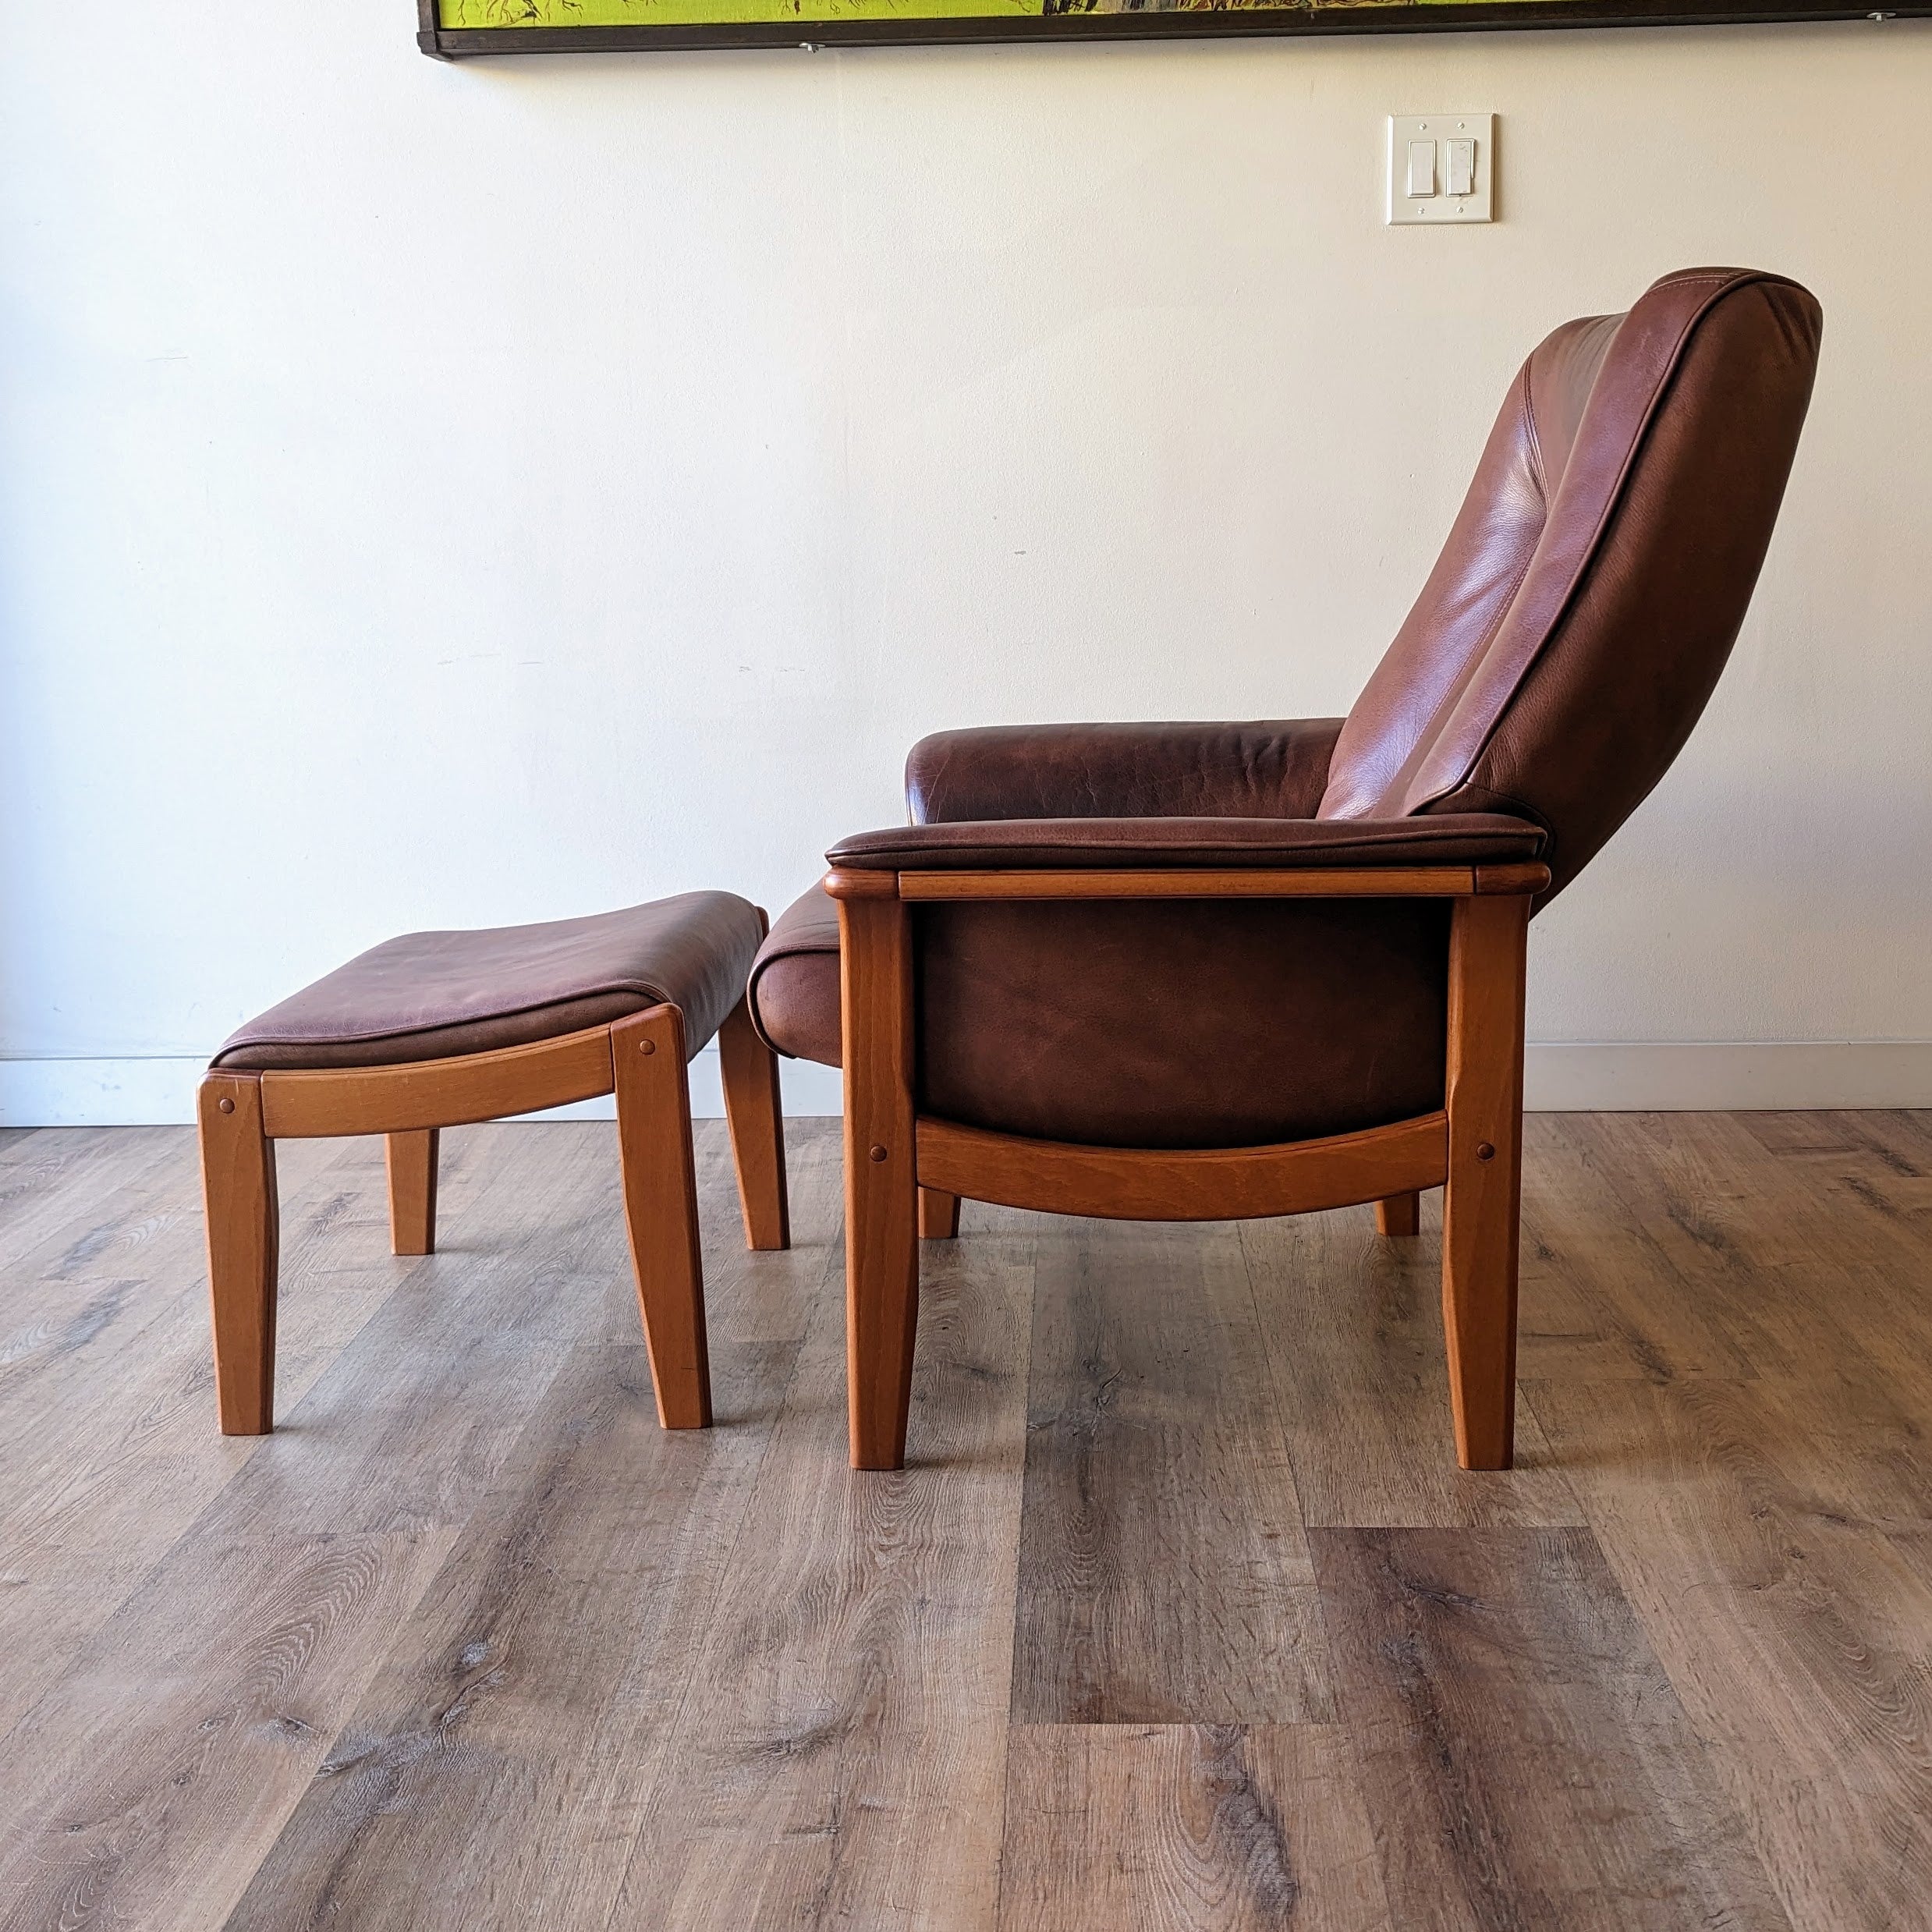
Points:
[(1441, 169)]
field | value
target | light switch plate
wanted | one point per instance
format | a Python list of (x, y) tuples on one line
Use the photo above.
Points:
[(1440, 209)]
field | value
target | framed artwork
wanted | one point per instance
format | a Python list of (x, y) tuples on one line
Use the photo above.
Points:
[(453, 30)]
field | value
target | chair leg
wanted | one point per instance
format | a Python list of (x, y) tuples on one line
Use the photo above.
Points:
[(412, 1164), (882, 1189), (654, 1133), (1481, 1202), (938, 1214), (755, 1111), (1399, 1216), (237, 1182)]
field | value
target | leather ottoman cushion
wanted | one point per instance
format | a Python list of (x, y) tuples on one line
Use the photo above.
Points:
[(435, 995), (794, 993)]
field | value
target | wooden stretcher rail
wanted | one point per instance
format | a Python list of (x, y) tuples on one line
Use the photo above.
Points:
[(1215, 1184)]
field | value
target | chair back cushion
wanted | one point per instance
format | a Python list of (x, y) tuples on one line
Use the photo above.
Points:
[(1578, 618)]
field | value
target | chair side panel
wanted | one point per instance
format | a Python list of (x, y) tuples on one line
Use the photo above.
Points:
[(1181, 1024)]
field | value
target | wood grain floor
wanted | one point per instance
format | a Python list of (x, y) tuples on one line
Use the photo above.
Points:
[(1181, 1617)]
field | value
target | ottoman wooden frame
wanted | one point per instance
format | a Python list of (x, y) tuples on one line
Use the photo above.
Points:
[(641, 1058)]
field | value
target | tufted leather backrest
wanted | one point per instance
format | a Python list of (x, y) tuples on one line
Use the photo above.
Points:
[(1580, 615)]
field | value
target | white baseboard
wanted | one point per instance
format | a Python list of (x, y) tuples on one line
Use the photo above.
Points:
[(1560, 1077), (1566, 1076), (143, 1092)]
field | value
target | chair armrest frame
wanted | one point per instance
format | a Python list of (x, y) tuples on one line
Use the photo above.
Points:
[(1529, 877)]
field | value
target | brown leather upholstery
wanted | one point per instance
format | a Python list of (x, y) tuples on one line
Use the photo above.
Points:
[(1558, 658), (1179, 1023), (434, 995), (1257, 771), (1592, 585), (794, 989)]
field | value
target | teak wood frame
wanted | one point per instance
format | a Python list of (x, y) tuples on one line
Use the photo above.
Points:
[(641, 1058), (905, 1173)]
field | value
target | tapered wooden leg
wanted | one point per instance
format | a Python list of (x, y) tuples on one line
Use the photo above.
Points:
[(238, 1181), (412, 1162), (653, 1134), (938, 1214), (1481, 1205), (755, 1113), (1400, 1215), (881, 1191)]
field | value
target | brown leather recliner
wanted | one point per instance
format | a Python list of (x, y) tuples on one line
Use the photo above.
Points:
[(1204, 971)]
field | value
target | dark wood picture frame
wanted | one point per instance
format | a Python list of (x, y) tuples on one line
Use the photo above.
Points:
[(1321, 16)]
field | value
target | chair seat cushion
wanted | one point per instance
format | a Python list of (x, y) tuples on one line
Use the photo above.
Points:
[(437, 995), (794, 994)]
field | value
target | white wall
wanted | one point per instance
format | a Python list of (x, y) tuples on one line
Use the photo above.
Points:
[(440, 495)]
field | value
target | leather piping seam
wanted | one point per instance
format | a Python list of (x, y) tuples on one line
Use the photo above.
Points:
[(1536, 448)]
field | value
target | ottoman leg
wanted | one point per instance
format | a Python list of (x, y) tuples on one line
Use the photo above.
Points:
[(654, 1133), (756, 1114), (238, 1181), (412, 1161)]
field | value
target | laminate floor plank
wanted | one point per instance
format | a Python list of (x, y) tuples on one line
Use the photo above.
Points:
[(122, 1319), (108, 1436), (52, 1178), (1525, 1761), (136, 1376), (1164, 1569), (1777, 1562), (1864, 1216), (116, 1260), (469, 1642), (1187, 1829), (144, 1789), (409, 1423), (1897, 1140), (598, 1523), (479, 1711), (107, 1433), (839, 1746), (1351, 1324), (1849, 1278), (1598, 1249)]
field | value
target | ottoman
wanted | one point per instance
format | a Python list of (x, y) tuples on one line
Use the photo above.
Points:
[(438, 1029)]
